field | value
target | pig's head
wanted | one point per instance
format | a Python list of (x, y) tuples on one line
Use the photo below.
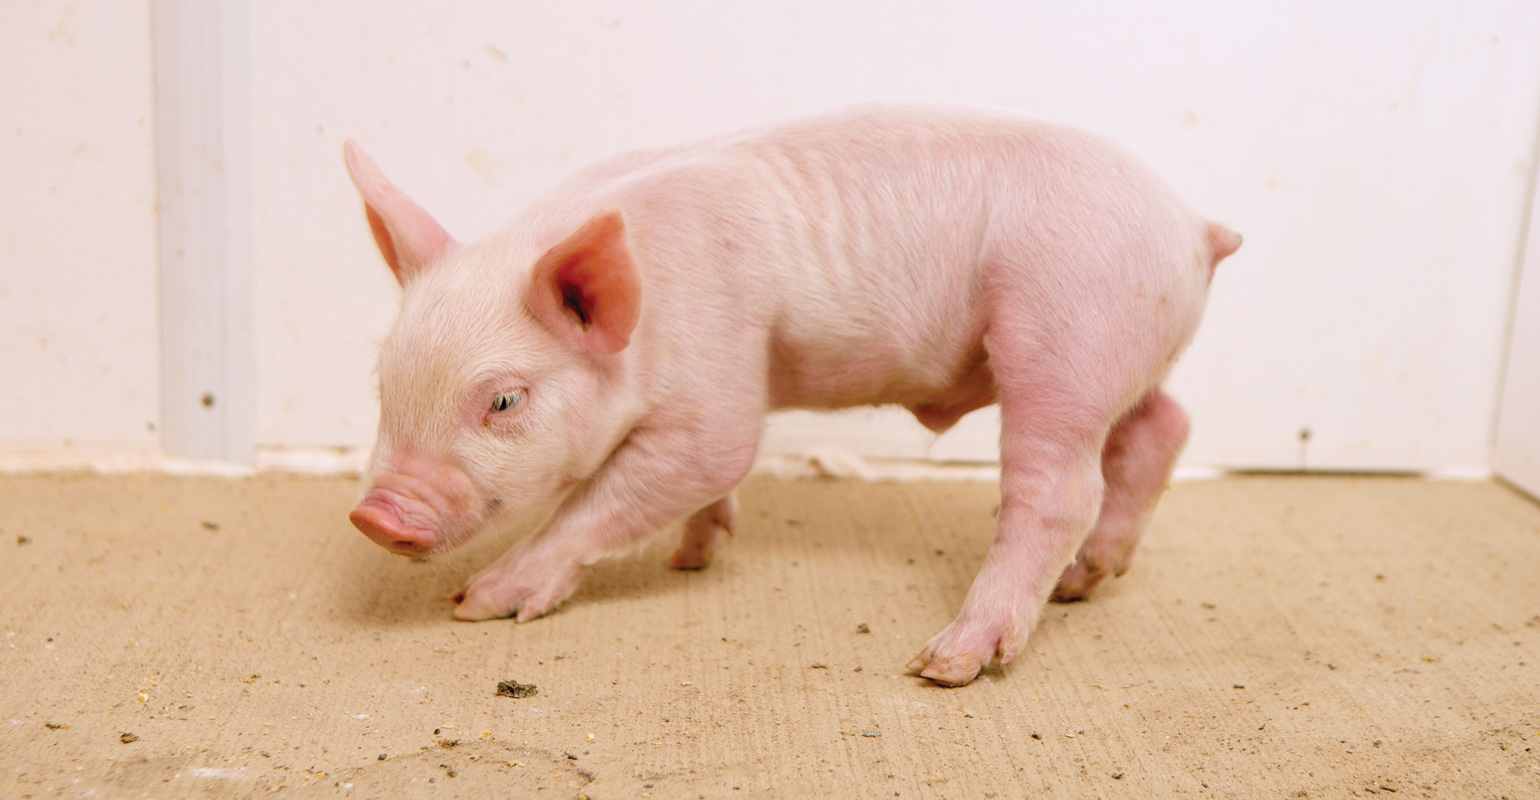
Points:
[(496, 381)]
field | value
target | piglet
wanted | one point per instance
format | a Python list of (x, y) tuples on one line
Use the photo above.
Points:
[(620, 341)]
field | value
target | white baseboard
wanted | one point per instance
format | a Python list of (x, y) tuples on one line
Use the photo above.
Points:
[(823, 461)]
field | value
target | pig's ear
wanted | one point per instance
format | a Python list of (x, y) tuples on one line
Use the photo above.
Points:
[(409, 238), (587, 288)]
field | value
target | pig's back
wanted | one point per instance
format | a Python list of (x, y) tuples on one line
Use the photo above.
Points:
[(877, 274), (862, 250)]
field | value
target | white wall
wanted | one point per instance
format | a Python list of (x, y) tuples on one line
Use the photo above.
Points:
[(1517, 456), (1384, 160), (79, 355), (1377, 160)]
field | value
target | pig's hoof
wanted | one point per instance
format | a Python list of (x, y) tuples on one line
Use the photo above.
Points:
[(689, 558), (957, 654), (702, 533), (1078, 580), (952, 671), (475, 609), (1088, 571), (523, 592), (695, 551)]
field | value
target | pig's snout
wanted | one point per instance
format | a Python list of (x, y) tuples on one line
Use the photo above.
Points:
[(412, 513), (385, 527)]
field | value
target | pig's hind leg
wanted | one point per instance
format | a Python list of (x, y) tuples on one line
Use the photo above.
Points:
[(1054, 425), (1136, 464), (702, 531)]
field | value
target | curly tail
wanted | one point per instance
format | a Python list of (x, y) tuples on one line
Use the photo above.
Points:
[(1221, 243)]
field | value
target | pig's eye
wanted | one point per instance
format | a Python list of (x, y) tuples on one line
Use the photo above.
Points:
[(508, 400)]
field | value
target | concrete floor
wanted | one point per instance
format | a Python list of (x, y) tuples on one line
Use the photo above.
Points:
[(1277, 637)]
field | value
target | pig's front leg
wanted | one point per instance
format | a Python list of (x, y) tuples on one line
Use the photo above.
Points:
[(702, 531), (656, 476)]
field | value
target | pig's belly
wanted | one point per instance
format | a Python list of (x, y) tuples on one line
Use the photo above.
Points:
[(939, 384)]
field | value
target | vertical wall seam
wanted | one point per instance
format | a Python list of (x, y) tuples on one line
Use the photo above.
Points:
[(1514, 429), (203, 148)]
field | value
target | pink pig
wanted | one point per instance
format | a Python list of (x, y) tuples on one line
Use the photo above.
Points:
[(622, 339)]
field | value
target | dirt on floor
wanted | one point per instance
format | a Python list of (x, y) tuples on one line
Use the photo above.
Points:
[(1306, 637)]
